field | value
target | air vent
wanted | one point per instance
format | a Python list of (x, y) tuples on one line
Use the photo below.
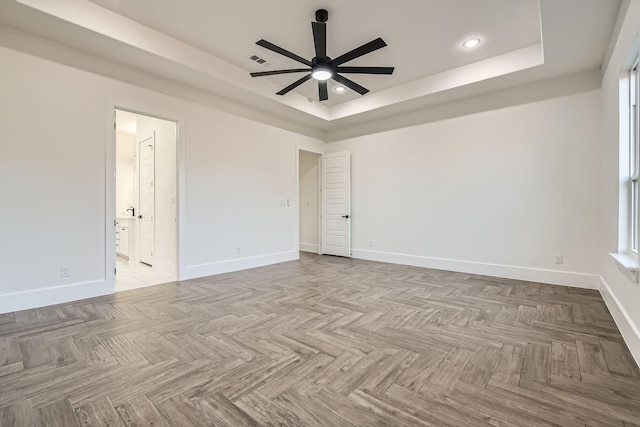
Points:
[(259, 60)]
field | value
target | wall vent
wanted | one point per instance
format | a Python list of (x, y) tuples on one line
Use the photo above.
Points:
[(259, 60)]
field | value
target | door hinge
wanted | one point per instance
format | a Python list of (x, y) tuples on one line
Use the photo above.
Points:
[(114, 271), (115, 222), (114, 126)]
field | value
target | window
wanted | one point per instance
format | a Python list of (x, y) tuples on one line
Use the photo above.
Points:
[(628, 257), (634, 155)]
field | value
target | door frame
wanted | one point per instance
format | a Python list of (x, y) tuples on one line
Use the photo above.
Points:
[(297, 195), (110, 185)]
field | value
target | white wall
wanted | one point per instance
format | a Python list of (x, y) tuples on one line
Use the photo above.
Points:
[(620, 293), (53, 127), (166, 190), (308, 199), (500, 192), (125, 172)]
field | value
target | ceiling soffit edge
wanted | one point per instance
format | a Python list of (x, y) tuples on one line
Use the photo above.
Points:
[(114, 26)]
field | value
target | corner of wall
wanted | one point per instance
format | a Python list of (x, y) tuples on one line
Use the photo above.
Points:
[(629, 330)]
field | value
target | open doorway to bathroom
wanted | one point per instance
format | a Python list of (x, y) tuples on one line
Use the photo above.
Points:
[(146, 200)]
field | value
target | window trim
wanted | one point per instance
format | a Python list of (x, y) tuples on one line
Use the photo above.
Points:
[(634, 158), (627, 258)]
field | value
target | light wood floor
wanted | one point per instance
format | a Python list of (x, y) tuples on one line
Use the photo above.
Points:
[(323, 341)]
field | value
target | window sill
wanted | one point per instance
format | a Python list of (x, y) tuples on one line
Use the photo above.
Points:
[(626, 261)]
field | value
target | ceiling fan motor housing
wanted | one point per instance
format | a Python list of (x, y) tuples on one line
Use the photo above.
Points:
[(322, 15), (323, 62)]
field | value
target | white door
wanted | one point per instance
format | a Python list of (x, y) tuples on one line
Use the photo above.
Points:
[(146, 239), (336, 204)]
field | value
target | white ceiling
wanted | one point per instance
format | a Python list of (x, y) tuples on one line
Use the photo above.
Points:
[(206, 45), (424, 37)]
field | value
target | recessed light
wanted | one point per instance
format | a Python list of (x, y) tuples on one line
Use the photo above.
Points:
[(339, 89), (471, 43)]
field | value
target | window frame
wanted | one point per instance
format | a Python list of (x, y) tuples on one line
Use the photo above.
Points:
[(627, 256), (634, 157)]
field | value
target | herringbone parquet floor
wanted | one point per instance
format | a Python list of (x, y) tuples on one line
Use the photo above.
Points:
[(321, 341)]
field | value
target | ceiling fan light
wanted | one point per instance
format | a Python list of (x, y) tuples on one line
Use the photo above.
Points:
[(322, 74), (471, 43), (340, 89)]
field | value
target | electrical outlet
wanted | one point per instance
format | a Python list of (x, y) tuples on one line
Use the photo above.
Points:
[(237, 251), (65, 271), (370, 243), (559, 259)]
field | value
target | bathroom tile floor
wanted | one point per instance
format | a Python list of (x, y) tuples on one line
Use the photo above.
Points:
[(134, 275)]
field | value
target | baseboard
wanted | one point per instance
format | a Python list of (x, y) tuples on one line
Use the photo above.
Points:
[(309, 247), (554, 277), (629, 330), (17, 301), (227, 266)]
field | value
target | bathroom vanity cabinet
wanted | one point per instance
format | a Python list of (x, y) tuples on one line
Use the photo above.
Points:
[(123, 237)]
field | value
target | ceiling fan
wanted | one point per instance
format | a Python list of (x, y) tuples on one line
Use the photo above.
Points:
[(323, 68)]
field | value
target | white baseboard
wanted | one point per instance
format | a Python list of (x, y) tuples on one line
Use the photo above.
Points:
[(554, 277), (309, 247), (17, 301), (227, 266), (629, 330)]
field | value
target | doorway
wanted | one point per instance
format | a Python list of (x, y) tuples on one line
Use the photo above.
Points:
[(309, 201), (145, 200)]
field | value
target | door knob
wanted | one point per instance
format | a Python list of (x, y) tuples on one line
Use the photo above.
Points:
[(345, 216)]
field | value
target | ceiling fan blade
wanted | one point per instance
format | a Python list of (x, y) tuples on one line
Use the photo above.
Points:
[(282, 51), (320, 38), (366, 70), (350, 84), (359, 51), (294, 85), (322, 89), (274, 72)]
